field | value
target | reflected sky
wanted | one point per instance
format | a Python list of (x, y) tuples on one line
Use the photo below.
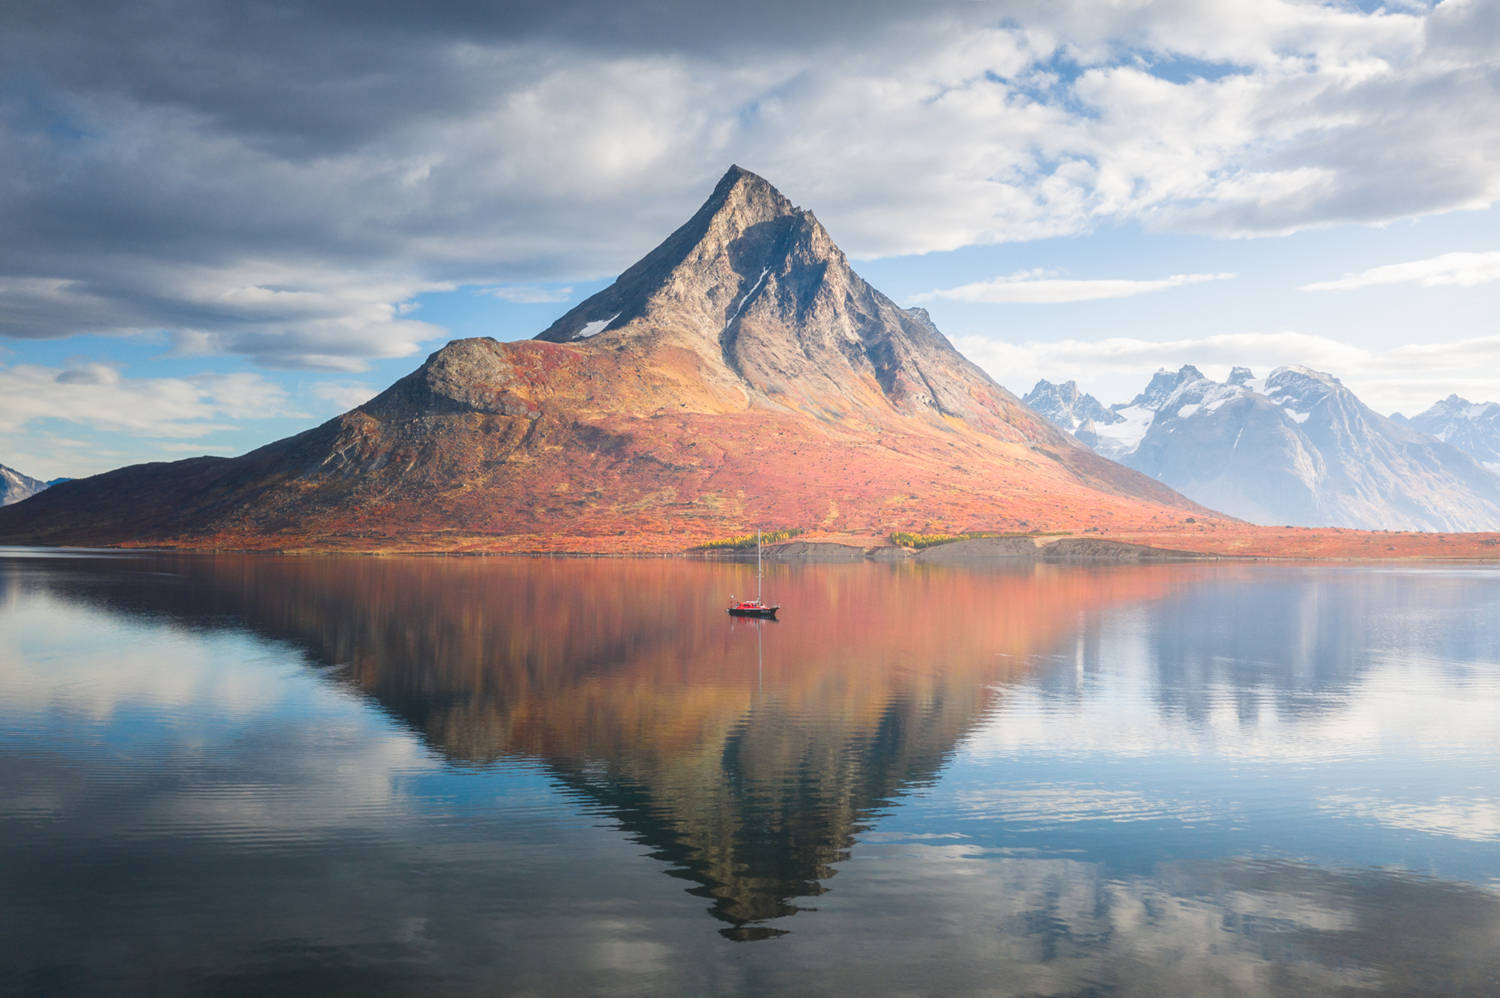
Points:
[(460, 776)]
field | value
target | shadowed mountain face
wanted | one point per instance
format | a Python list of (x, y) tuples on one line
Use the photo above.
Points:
[(740, 373), (746, 756)]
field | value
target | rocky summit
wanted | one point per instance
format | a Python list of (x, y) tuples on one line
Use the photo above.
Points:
[(1066, 407), (740, 374)]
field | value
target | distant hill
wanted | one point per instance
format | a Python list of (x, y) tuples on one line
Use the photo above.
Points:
[(1296, 448), (740, 374)]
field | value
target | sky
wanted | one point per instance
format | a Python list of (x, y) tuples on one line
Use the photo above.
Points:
[(227, 222)]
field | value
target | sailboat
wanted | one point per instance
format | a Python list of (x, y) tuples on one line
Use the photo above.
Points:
[(754, 607)]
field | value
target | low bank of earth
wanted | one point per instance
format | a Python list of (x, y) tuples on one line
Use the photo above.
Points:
[(1009, 550), (1246, 543)]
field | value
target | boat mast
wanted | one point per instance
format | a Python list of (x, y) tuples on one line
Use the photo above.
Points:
[(757, 565)]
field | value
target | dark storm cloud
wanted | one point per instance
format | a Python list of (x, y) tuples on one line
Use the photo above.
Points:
[(306, 77), (275, 178)]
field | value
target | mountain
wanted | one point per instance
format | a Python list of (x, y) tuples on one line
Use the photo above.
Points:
[(740, 374), (1473, 428), (1297, 448), (1119, 437), (1066, 407), (15, 486)]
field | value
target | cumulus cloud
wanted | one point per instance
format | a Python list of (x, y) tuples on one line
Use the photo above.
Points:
[(98, 397), (1460, 269), (275, 181), (283, 313), (1025, 288)]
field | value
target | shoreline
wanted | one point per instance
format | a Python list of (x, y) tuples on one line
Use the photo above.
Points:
[(1012, 551)]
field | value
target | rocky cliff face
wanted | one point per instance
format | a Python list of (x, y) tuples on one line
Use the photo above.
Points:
[(1297, 448), (741, 373), (1064, 406), (756, 290)]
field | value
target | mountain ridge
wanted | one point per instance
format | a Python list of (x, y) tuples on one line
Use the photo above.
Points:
[(1297, 447), (740, 373), (1472, 427)]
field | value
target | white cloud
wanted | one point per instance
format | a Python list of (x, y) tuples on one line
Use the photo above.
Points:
[(524, 294), (98, 397), (344, 395), (1022, 288), (1459, 269), (287, 313)]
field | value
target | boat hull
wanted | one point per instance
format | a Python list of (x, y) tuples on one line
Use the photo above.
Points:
[(763, 612)]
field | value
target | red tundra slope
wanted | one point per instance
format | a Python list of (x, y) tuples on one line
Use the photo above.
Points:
[(740, 374)]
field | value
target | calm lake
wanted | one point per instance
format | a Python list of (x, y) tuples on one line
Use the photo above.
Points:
[(238, 775)]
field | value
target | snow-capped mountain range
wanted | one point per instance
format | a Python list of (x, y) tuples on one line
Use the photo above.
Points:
[(1296, 447)]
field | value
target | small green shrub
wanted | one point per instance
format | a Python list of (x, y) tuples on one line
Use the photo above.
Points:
[(745, 542), (909, 540)]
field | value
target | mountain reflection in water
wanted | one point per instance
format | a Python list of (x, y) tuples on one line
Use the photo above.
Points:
[(753, 758), (746, 754)]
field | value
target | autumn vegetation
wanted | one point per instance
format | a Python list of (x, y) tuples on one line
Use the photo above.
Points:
[(745, 542)]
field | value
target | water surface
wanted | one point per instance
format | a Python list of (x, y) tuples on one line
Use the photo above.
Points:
[(482, 776)]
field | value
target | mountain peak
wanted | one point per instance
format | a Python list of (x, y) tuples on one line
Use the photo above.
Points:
[(1163, 383), (755, 290), (743, 191), (740, 372), (1289, 371), (15, 486), (1064, 406), (705, 267), (737, 177)]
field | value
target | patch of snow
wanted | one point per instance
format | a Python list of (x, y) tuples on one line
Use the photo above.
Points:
[(1236, 444), (753, 288), (1188, 410), (594, 328), (1296, 417), (1118, 439), (1218, 403)]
